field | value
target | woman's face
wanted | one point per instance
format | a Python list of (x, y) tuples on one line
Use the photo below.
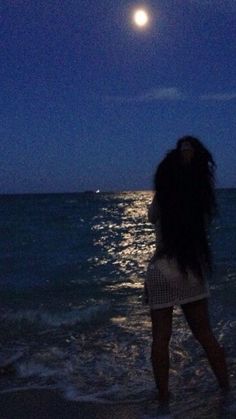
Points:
[(187, 151)]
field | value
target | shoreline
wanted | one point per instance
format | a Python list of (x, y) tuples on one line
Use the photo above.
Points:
[(50, 404)]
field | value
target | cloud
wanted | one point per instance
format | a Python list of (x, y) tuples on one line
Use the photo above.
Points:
[(222, 97), (155, 94), (171, 94)]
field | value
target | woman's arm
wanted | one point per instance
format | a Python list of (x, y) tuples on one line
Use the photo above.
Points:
[(153, 211)]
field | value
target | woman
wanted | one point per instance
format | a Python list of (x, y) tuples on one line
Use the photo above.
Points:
[(182, 207)]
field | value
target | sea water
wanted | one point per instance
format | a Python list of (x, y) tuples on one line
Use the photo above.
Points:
[(72, 268)]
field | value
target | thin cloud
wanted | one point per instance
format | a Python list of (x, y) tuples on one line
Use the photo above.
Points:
[(221, 97), (156, 94), (170, 94)]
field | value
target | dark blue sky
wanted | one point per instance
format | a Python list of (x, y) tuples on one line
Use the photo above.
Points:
[(88, 101)]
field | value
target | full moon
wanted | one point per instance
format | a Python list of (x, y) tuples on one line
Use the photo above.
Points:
[(141, 18)]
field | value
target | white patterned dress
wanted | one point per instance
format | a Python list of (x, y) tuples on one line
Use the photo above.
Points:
[(165, 286)]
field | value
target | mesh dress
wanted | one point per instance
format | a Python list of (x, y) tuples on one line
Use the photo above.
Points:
[(165, 285)]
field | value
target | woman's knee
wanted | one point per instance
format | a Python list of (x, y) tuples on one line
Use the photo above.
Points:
[(204, 336), (161, 322), (197, 317), (160, 346)]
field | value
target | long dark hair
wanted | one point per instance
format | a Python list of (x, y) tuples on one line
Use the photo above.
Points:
[(186, 198)]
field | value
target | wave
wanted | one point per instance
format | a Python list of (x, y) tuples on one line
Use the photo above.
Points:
[(31, 369), (67, 318)]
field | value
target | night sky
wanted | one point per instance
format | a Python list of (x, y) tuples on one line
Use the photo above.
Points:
[(89, 101)]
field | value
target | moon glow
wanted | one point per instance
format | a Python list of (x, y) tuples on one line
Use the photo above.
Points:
[(141, 18)]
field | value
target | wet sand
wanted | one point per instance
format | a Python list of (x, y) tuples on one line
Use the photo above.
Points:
[(49, 404)]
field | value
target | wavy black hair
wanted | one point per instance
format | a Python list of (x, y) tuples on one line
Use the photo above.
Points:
[(187, 203)]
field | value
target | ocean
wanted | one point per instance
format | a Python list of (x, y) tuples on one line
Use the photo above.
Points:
[(71, 278)]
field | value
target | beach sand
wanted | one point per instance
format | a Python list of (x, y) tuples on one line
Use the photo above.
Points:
[(49, 404)]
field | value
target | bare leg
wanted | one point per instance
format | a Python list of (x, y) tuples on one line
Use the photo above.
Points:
[(161, 334), (197, 316)]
